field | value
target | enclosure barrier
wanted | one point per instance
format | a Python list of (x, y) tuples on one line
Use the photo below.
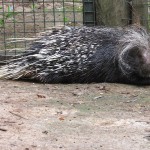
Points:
[(25, 18)]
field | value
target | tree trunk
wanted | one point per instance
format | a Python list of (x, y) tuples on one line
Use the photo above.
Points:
[(112, 12), (121, 12), (140, 12)]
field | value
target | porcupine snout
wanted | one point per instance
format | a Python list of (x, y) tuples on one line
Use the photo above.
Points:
[(138, 58), (146, 63)]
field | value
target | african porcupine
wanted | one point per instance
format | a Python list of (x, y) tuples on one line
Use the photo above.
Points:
[(84, 55)]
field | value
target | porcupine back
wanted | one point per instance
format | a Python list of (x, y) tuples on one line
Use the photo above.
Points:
[(83, 55)]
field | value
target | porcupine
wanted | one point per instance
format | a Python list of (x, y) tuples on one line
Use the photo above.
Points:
[(85, 55)]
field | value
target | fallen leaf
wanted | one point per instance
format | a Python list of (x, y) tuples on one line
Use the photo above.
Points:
[(41, 96), (61, 118), (45, 132)]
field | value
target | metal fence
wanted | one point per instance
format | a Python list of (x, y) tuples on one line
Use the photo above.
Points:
[(25, 18)]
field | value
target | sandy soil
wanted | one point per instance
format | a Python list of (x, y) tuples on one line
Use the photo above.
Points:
[(74, 117)]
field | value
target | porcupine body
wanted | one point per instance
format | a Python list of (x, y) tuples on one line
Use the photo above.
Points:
[(85, 55)]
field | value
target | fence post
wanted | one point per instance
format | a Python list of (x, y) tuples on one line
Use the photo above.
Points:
[(89, 18)]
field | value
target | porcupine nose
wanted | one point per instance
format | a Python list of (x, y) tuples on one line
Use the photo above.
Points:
[(146, 57), (140, 57)]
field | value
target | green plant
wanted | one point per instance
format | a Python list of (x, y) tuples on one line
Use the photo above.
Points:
[(6, 15), (33, 6), (66, 19)]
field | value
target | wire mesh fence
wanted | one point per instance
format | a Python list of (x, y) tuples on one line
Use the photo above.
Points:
[(25, 18)]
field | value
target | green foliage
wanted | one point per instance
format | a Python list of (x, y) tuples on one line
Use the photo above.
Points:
[(6, 15), (1, 23), (33, 6), (66, 19)]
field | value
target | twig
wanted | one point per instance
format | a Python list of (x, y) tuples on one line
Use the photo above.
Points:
[(1, 129), (148, 122), (17, 115)]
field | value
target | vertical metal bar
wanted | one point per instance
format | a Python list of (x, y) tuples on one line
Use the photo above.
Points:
[(24, 27), (54, 12), (74, 16), (64, 15), (34, 26), (44, 14), (14, 25), (4, 27)]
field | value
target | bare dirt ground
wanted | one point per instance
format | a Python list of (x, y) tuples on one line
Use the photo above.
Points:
[(74, 117)]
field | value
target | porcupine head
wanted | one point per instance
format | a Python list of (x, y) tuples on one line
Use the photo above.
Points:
[(134, 52)]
